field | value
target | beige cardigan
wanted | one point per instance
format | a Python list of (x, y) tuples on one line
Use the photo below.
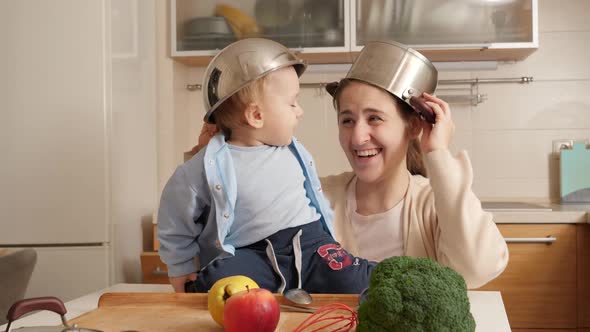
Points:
[(453, 229)]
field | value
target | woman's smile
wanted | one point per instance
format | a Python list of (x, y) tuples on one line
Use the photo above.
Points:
[(367, 153)]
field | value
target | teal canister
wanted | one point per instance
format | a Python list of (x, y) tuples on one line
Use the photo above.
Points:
[(575, 174)]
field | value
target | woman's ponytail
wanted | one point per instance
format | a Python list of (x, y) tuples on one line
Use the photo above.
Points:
[(414, 158)]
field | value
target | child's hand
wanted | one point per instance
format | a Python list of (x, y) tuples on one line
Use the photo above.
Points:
[(437, 136), (207, 131), (178, 282)]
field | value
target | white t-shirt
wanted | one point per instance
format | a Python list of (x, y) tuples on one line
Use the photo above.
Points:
[(380, 235)]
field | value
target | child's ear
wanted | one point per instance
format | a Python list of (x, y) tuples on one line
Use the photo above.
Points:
[(414, 127), (254, 116)]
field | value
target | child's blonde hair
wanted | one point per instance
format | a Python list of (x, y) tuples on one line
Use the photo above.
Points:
[(230, 114), (414, 161)]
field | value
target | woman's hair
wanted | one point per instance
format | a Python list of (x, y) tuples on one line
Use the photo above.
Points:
[(230, 114), (414, 160)]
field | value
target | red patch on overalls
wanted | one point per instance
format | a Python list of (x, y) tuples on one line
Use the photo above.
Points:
[(336, 257)]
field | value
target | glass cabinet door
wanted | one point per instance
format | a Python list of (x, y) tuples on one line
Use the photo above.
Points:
[(452, 22), (201, 27)]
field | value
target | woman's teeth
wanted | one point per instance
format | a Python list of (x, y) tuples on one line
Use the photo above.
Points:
[(367, 153)]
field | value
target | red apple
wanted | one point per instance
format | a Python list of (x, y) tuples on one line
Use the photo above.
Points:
[(252, 310)]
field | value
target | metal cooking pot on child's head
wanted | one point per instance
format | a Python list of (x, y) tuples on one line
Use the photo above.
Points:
[(240, 64), (398, 69)]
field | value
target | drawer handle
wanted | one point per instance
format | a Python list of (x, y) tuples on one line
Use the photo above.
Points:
[(547, 240), (159, 272)]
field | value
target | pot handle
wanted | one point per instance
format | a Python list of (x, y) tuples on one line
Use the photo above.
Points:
[(423, 109), (25, 306)]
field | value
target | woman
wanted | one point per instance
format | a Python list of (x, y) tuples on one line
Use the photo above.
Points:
[(386, 206)]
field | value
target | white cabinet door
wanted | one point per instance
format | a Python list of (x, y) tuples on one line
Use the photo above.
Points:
[(69, 272), (54, 122), (202, 28), (446, 24)]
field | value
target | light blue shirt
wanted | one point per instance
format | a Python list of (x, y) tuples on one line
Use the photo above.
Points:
[(198, 204), (271, 193)]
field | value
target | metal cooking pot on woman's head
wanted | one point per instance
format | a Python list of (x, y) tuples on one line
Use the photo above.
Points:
[(398, 69)]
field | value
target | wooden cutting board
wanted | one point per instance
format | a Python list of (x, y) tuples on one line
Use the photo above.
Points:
[(159, 312)]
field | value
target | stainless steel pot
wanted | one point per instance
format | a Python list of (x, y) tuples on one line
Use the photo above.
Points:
[(50, 303), (398, 69), (240, 64)]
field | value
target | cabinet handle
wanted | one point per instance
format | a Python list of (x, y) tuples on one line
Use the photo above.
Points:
[(159, 272), (547, 240), (297, 50)]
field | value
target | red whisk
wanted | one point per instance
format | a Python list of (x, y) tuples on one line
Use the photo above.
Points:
[(336, 316)]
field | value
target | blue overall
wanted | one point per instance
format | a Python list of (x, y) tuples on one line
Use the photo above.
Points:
[(324, 266)]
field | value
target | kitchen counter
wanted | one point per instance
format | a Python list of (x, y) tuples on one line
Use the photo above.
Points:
[(487, 308), (544, 213)]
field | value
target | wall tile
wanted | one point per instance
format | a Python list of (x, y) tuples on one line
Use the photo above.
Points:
[(512, 189), (511, 158), (318, 131), (463, 140), (570, 15), (538, 105), (561, 56)]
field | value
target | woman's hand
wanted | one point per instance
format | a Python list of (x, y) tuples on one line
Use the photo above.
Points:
[(207, 131), (178, 282), (438, 135)]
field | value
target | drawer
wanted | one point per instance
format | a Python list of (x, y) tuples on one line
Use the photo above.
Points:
[(538, 286), (584, 276), (154, 270)]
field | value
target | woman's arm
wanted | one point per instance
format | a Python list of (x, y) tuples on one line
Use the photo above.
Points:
[(466, 237), (207, 132)]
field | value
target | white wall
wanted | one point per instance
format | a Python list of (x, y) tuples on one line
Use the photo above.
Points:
[(133, 140), (509, 136)]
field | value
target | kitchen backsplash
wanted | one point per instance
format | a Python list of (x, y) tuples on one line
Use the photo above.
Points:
[(509, 136)]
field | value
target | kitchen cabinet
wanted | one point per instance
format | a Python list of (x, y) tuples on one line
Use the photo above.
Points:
[(539, 285), (584, 276), (334, 31), (317, 30), (153, 269), (450, 30), (546, 330)]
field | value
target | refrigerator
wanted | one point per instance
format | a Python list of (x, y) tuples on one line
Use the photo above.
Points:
[(55, 127)]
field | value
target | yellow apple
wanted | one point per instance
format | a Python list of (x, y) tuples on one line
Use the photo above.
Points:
[(221, 291)]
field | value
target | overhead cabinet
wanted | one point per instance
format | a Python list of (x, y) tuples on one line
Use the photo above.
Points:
[(334, 31)]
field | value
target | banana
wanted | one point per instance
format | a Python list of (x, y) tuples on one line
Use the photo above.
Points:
[(242, 25)]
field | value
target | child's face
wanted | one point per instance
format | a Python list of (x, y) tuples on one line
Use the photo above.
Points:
[(280, 107), (372, 132)]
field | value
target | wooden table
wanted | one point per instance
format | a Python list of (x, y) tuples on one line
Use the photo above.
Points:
[(487, 307)]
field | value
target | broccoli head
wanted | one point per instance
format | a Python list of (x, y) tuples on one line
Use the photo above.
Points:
[(415, 294)]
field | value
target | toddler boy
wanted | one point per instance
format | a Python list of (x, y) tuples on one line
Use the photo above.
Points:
[(250, 202)]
